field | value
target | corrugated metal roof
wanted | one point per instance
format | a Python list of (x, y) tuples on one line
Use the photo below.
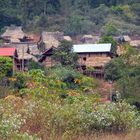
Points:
[(86, 48), (7, 51)]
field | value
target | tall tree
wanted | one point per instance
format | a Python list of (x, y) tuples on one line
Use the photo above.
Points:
[(64, 54)]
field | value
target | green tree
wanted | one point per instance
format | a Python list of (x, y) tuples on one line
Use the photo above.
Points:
[(110, 29), (109, 39), (64, 54), (78, 24), (5, 67), (114, 69)]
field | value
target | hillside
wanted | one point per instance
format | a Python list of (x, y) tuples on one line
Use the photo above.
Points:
[(111, 17)]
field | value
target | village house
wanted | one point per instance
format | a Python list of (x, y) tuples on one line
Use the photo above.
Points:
[(25, 44), (13, 34), (49, 39), (93, 55), (12, 53), (26, 52)]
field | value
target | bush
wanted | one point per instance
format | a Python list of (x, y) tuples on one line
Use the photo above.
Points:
[(19, 80), (6, 65)]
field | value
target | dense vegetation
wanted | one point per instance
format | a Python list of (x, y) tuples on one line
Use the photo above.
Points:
[(60, 103), (74, 17), (124, 72)]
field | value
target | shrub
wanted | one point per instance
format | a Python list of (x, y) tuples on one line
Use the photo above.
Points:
[(5, 66), (19, 80)]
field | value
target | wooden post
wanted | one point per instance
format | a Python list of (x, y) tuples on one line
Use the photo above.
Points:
[(13, 65), (23, 58)]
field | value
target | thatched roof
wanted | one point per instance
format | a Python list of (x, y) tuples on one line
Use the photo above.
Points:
[(126, 38), (90, 39), (51, 39), (33, 38), (135, 43), (13, 34), (68, 38), (33, 48)]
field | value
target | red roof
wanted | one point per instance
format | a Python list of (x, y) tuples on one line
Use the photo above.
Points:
[(7, 51)]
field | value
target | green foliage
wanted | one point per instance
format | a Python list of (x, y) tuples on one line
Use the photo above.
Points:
[(67, 117), (62, 102), (78, 24), (128, 84), (113, 70), (73, 79), (19, 81), (1, 42), (65, 55), (73, 17), (110, 29), (34, 65), (25, 136), (6, 65), (126, 73), (109, 39)]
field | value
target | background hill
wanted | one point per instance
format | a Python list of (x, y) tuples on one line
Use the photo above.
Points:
[(110, 17)]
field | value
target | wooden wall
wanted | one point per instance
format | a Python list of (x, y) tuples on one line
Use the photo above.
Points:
[(49, 62), (92, 59)]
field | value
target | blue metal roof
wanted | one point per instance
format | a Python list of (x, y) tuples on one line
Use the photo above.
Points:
[(95, 48)]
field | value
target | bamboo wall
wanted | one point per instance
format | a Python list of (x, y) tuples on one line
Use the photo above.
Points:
[(95, 60)]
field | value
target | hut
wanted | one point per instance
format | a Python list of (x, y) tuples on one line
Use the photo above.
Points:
[(13, 34), (49, 39), (26, 52)]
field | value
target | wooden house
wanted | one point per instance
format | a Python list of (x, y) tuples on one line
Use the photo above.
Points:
[(49, 39), (26, 52), (46, 57), (13, 34), (93, 55)]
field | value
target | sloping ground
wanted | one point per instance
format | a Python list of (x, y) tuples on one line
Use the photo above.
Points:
[(104, 89), (131, 136)]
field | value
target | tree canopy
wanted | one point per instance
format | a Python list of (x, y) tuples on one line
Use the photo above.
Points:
[(64, 54), (72, 16)]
